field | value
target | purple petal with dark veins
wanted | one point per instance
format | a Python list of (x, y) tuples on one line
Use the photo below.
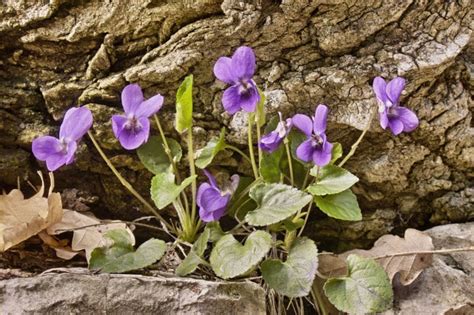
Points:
[(270, 142), (150, 106), (395, 125), (322, 155), (231, 100), (45, 146), (249, 100), (132, 139)]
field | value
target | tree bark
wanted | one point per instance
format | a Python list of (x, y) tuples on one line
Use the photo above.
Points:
[(61, 53)]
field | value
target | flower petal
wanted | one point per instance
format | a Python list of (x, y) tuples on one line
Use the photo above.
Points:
[(270, 142), (212, 200), (394, 89), (201, 190), (379, 87), (383, 119), (305, 151), (243, 63), (71, 150), (320, 118), (118, 123), (395, 125), (45, 146), (132, 97), (132, 139), (150, 106), (77, 121), (211, 216), (223, 70), (408, 118), (249, 100), (212, 179), (322, 155), (303, 123), (231, 100), (55, 161)]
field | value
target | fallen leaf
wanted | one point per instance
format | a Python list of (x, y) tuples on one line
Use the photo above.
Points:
[(386, 251), (22, 218), (88, 233)]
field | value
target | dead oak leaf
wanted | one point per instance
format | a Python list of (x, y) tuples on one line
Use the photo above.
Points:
[(22, 218), (407, 256)]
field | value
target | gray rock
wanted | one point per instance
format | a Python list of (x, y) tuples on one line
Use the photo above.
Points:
[(447, 287), (82, 293)]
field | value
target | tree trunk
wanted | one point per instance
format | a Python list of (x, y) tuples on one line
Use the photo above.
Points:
[(60, 53)]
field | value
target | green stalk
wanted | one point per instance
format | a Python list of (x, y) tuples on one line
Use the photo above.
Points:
[(245, 156), (356, 144), (126, 184), (290, 161), (251, 120), (192, 170), (259, 136)]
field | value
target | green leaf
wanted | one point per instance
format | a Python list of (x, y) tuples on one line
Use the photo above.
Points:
[(215, 231), (261, 109), (163, 189), (270, 165), (184, 105), (293, 226), (342, 206), (194, 257), (294, 277), (230, 259), (336, 152), (120, 256), (205, 155), (153, 156), (366, 289), (276, 202), (332, 179)]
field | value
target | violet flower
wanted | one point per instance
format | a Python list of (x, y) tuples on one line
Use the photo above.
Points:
[(238, 72), (133, 128), (271, 141), (399, 119), (315, 148), (212, 200), (58, 152)]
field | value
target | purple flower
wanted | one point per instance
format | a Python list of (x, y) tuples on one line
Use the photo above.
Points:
[(133, 128), (238, 72), (212, 200), (57, 152), (396, 117), (271, 141), (315, 148)]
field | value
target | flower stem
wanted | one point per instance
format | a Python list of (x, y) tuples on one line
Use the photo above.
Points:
[(251, 120), (356, 144), (126, 184), (245, 156), (259, 136), (290, 161), (172, 161), (192, 170)]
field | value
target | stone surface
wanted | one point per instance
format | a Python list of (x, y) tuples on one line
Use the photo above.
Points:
[(76, 293), (60, 53), (448, 285)]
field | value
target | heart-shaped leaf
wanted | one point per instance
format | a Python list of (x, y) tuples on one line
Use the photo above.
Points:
[(120, 256), (230, 259), (342, 206), (153, 156), (366, 289), (184, 105), (215, 231), (205, 155), (294, 277), (164, 190), (270, 165), (331, 179), (276, 202), (194, 257), (336, 152)]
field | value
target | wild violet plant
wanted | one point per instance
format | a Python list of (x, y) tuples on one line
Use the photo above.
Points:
[(294, 172)]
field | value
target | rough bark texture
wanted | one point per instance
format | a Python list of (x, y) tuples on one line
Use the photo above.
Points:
[(75, 293), (60, 53)]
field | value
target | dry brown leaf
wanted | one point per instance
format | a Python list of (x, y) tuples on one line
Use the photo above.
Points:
[(385, 252), (22, 218), (88, 233)]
